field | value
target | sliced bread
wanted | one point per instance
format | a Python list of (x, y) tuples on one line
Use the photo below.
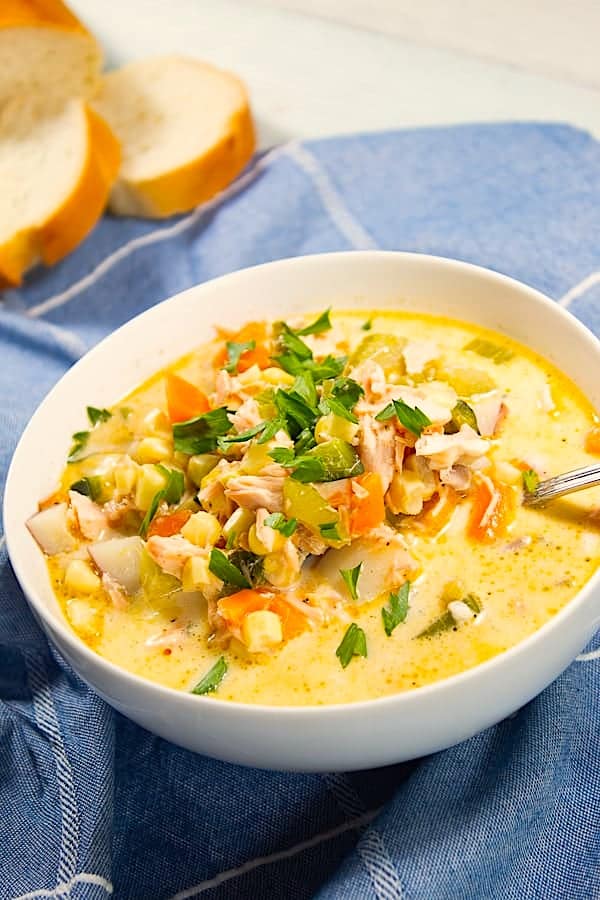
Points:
[(57, 166), (45, 48), (185, 129)]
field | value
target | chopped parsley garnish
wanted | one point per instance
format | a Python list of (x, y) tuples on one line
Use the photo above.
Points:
[(80, 439), (234, 352), (171, 493), (354, 643), (489, 350), (200, 434), (396, 611), (330, 532), (351, 577), (213, 678), (271, 429), (96, 415), (221, 566), (330, 367), (531, 479), (328, 461), (321, 324), (366, 326), (290, 343), (250, 565), (342, 398), (285, 456), (284, 526), (90, 486), (414, 420), (446, 621), (304, 442), (223, 443), (294, 407)]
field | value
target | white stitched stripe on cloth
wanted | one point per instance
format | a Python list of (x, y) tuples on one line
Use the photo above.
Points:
[(332, 201), (246, 867), (63, 889), (580, 288), (46, 718), (588, 657), (153, 237)]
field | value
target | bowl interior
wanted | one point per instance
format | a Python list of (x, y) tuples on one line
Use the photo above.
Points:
[(165, 332)]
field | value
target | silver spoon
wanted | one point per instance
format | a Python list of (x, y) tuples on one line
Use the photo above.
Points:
[(577, 480)]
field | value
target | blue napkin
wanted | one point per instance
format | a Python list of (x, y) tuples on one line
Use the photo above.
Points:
[(90, 804)]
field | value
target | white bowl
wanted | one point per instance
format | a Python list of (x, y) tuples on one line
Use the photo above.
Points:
[(351, 736)]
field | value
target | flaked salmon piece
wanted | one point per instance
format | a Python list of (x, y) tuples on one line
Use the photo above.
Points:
[(446, 450), (377, 448), (91, 519), (172, 553), (256, 491)]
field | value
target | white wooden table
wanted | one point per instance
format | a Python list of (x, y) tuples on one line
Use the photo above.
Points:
[(320, 67)]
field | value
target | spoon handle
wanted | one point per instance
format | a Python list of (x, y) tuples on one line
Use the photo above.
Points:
[(577, 480)]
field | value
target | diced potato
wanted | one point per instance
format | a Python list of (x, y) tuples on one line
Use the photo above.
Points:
[(197, 576), (80, 578), (262, 631), (150, 480), (125, 475), (405, 493), (200, 465), (202, 529), (153, 450), (276, 376), (85, 619), (332, 426), (156, 424)]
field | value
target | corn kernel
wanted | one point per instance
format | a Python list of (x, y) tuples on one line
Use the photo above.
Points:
[(405, 494), (150, 480), (196, 576), (156, 424), (255, 544), (276, 376), (125, 475), (80, 578), (152, 450), (332, 426), (202, 529), (262, 631), (281, 569)]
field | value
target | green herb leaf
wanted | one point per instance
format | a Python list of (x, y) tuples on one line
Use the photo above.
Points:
[(223, 443), (279, 423), (96, 415), (171, 494), (230, 540), (213, 678), (351, 577), (220, 566), (414, 420), (330, 532), (366, 326), (285, 456), (234, 351), (304, 442), (290, 343), (199, 435), (446, 621), (462, 414), (284, 526), (90, 486), (531, 479), (330, 367), (250, 565), (341, 398), (489, 350), (321, 324), (328, 461), (297, 413), (354, 643), (397, 609), (80, 439)]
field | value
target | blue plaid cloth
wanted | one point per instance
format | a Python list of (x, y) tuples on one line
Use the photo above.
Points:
[(90, 804)]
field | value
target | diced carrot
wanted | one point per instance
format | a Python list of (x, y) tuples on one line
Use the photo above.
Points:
[(259, 356), (438, 511), (236, 607), (592, 440), (368, 511), (184, 400), (492, 511), (165, 526)]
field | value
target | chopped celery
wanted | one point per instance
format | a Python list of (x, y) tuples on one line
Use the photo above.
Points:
[(200, 465), (385, 349), (328, 461), (157, 587), (467, 382), (447, 621), (490, 350), (304, 503), (462, 414)]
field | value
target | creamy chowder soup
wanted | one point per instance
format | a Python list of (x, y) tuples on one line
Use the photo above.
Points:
[(324, 510)]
